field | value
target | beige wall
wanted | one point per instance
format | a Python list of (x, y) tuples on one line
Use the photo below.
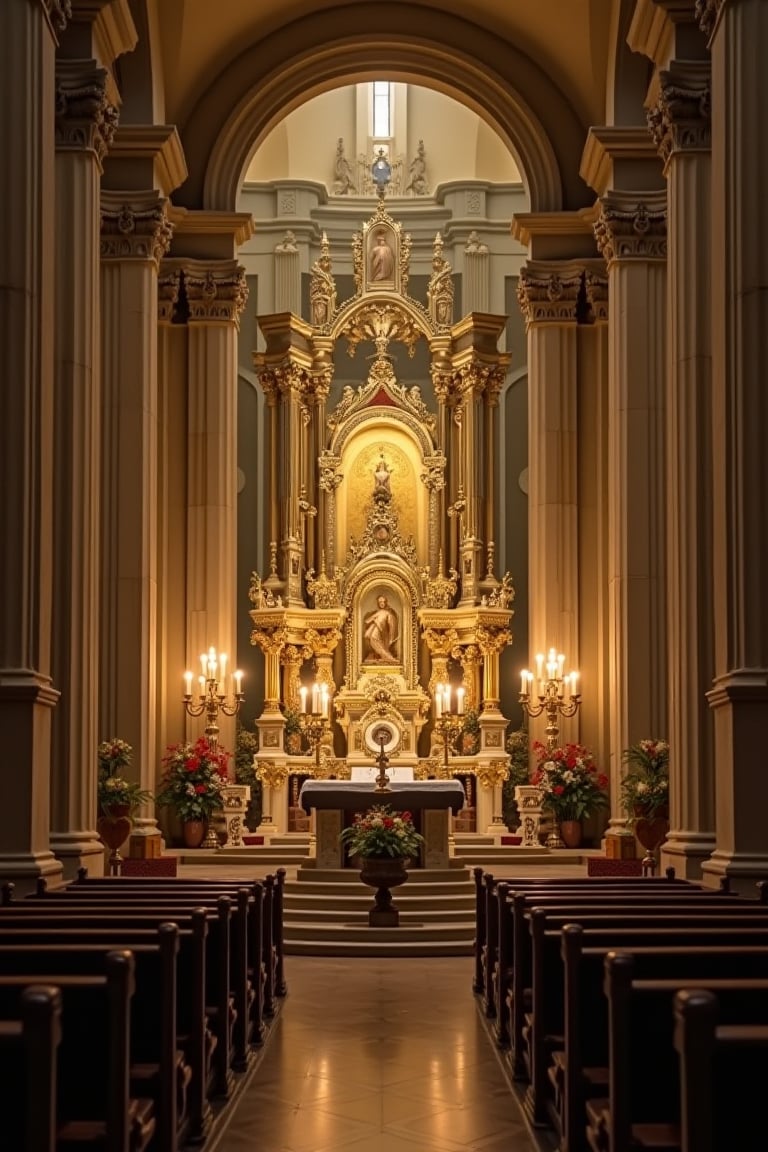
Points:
[(458, 144)]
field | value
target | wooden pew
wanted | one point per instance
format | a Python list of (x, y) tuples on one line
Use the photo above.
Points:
[(720, 1065), (580, 1071), (141, 912), (617, 897), (94, 1104), (641, 1041), (170, 983), (487, 913), (230, 943), (544, 1029), (28, 1056)]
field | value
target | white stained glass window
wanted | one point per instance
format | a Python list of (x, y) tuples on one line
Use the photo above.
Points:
[(381, 108)]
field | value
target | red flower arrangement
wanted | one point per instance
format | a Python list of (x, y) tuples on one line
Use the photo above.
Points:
[(568, 777), (194, 779), (381, 832)]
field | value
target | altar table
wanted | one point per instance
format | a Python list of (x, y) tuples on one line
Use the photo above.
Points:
[(332, 798)]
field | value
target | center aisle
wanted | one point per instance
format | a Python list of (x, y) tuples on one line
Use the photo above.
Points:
[(377, 1055)]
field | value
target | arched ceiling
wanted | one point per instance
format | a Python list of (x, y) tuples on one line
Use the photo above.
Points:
[(568, 39)]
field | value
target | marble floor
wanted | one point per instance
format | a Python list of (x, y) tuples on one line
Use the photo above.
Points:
[(377, 1055)]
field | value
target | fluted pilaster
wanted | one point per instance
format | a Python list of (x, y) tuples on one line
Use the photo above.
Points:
[(216, 294), (548, 293), (631, 232), (135, 234), (739, 697), (28, 31)]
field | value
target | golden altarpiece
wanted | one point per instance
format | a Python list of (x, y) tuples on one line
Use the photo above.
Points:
[(382, 518)]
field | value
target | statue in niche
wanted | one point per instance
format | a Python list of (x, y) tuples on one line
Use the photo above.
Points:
[(382, 260), (381, 633), (381, 478)]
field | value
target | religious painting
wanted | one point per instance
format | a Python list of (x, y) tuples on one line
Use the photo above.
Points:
[(381, 628)]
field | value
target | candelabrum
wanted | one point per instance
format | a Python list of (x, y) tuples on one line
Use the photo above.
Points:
[(211, 700), (556, 694), (315, 716), (448, 723)]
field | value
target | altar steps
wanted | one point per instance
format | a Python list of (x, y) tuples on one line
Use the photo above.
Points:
[(325, 913)]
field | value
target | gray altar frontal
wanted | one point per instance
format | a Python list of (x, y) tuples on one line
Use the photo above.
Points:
[(330, 799)]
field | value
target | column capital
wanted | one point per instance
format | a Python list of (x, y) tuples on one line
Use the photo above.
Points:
[(708, 14), (86, 107), (681, 119), (168, 289), (216, 290), (134, 226), (632, 226), (548, 291), (596, 290), (620, 157)]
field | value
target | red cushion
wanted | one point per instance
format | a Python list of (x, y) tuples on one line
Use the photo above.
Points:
[(159, 866), (601, 866)]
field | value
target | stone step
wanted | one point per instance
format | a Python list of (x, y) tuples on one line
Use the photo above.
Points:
[(309, 874), (357, 913), (363, 944)]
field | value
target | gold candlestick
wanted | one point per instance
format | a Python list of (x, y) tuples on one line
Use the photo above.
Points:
[(556, 694), (315, 717)]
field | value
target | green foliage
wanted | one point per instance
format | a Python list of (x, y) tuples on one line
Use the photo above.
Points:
[(113, 790), (380, 833), (292, 721), (517, 746), (471, 722), (246, 747), (646, 786)]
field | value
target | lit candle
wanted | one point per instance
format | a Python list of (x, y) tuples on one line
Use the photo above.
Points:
[(222, 666), (303, 695), (460, 700), (211, 663), (539, 666), (439, 701), (315, 699), (324, 701), (574, 683), (201, 682), (187, 683), (524, 682), (447, 697), (238, 683)]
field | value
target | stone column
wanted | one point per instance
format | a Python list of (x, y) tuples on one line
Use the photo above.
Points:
[(548, 293), (738, 31), (287, 276), (592, 470), (621, 164), (86, 117), (477, 276), (28, 33), (135, 234), (680, 124), (216, 295)]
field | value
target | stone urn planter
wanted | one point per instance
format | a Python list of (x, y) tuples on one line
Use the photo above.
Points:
[(570, 833), (383, 873)]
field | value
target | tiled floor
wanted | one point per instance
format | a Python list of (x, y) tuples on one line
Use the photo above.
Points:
[(377, 1055)]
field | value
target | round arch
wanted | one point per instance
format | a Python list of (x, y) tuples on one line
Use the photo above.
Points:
[(256, 90)]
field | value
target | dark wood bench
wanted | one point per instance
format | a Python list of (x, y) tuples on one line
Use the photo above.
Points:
[(544, 1024), (170, 1044), (28, 1063), (513, 972), (580, 1070), (639, 1113), (721, 1065), (94, 1104), (230, 942)]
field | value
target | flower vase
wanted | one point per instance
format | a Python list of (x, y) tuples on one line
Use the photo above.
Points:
[(114, 828), (193, 832), (651, 831), (570, 831), (383, 873)]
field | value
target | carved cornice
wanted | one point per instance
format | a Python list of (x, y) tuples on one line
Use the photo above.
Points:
[(441, 640), (681, 119), (548, 295), (134, 226), (632, 226), (382, 323), (58, 12), (215, 290), (168, 288), (492, 640), (85, 118), (707, 14)]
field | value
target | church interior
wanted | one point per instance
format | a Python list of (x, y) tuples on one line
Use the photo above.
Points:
[(355, 357)]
